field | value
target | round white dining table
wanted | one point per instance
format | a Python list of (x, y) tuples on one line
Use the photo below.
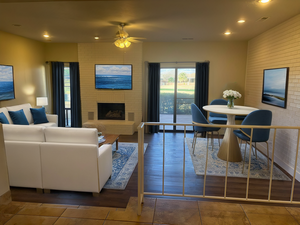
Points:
[(230, 140)]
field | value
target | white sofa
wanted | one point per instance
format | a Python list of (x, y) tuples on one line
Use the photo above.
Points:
[(56, 158), (26, 108)]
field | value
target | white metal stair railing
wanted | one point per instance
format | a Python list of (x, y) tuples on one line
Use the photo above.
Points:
[(142, 193)]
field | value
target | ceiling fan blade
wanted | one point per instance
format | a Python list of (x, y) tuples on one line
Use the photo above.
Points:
[(134, 41), (136, 38)]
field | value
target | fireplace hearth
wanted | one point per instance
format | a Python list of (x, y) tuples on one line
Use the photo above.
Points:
[(111, 111)]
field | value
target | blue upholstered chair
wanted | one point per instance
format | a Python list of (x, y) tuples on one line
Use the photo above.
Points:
[(220, 118), (217, 118), (198, 117), (259, 118)]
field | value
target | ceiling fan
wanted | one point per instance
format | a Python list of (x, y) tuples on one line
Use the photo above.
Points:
[(122, 39)]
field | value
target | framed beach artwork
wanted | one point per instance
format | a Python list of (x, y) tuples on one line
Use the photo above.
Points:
[(7, 90), (275, 86), (114, 77)]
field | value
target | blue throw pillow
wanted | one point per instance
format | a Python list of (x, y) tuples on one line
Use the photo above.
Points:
[(3, 118), (39, 115), (18, 117)]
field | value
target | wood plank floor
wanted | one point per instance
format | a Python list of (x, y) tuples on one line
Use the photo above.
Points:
[(258, 188)]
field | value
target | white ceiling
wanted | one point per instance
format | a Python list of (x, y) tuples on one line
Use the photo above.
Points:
[(155, 20)]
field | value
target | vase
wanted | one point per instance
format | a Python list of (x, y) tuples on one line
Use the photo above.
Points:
[(230, 103)]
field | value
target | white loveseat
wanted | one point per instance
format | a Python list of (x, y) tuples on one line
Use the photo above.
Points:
[(56, 158), (26, 108)]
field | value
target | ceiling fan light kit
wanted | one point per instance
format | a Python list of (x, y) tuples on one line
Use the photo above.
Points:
[(122, 38), (122, 43)]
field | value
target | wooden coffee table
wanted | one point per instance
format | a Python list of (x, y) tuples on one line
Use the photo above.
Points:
[(110, 139)]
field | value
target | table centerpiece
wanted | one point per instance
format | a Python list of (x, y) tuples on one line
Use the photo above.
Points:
[(231, 95)]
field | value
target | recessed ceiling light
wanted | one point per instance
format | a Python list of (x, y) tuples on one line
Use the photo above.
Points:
[(96, 37), (264, 1), (241, 21), (46, 35), (227, 33)]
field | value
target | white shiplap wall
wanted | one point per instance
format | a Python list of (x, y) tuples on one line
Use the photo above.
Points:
[(278, 47)]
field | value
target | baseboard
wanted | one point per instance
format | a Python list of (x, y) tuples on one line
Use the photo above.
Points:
[(5, 198), (289, 169)]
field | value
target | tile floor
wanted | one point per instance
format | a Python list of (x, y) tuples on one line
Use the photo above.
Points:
[(155, 211)]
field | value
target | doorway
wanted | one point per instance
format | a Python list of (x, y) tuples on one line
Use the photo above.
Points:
[(177, 90)]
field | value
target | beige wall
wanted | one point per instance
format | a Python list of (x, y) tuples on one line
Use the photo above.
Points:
[(27, 58), (61, 52), (4, 184), (278, 47), (90, 54), (227, 61)]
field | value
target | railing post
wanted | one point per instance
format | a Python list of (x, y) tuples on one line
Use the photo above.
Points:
[(226, 175), (249, 164), (295, 168), (183, 175), (205, 170), (164, 153), (272, 164), (143, 160), (140, 167)]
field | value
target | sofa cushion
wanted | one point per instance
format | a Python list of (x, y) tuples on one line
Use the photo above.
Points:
[(26, 108), (4, 110), (39, 115), (49, 124), (71, 135), (18, 117), (3, 118), (23, 133)]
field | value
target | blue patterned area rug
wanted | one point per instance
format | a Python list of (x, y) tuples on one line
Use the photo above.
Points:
[(217, 167), (124, 161)]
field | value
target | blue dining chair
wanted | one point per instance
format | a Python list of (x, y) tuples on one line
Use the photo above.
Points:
[(217, 118), (198, 117), (259, 118)]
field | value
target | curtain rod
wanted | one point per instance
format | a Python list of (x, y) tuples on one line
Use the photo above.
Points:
[(184, 62)]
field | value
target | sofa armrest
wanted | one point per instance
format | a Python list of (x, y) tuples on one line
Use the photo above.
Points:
[(52, 118), (104, 164)]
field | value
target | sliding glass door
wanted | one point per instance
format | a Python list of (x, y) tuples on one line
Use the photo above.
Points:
[(177, 88), (67, 96)]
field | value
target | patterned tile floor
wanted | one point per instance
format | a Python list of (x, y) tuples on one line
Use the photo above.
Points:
[(155, 211)]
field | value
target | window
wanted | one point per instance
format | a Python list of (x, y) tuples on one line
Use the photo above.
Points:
[(67, 95)]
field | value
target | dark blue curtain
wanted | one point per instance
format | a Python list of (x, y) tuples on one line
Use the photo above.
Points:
[(58, 91), (76, 120), (153, 95), (201, 85)]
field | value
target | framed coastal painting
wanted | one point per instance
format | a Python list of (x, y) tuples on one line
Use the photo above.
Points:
[(275, 86), (7, 90), (114, 77)]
